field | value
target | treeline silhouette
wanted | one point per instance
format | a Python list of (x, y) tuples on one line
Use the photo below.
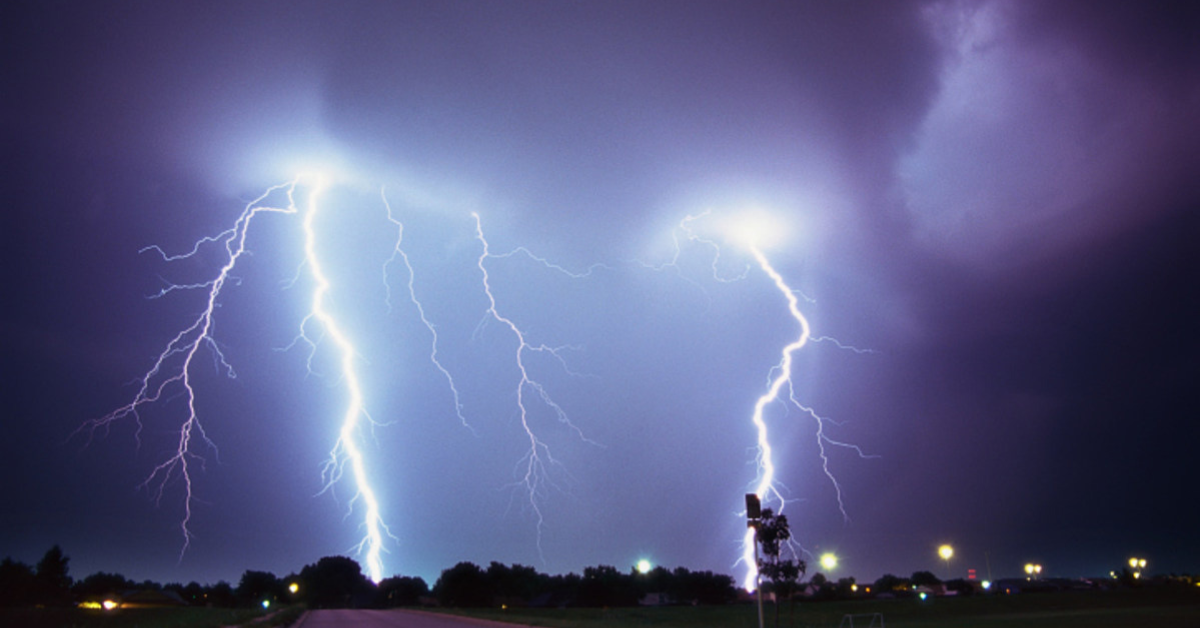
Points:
[(338, 582)]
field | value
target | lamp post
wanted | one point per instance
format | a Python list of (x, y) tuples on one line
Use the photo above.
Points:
[(1136, 565), (946, 552), (753, 517), (1032, 571)]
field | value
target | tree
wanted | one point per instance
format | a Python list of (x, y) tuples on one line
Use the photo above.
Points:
[(219, 595), (889, 583), (256, 586), (100, 586), (335, 582), (603, 585), (515, 584), (53, 584), (773, 534), (463, 585), (16, 583), (401, 591), (193, 594), (924, 579), (706, 587)]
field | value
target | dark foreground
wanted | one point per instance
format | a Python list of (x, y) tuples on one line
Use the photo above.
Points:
[(1174, 607), (1149, 608)]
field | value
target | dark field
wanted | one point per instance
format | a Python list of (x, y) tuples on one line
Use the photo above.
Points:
[(142, 618), (1143, 608), (1149, 608)]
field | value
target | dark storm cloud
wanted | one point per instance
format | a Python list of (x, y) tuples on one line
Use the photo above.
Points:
[(999, 197)]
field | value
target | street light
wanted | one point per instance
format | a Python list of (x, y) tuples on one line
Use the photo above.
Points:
[(1137, 565), (946, 552), (829, 561), (753, 518)]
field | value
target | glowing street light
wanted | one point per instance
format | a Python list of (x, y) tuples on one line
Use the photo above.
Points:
[(946, 552), (643, 566), (829, 561), (1137, 565), (1032, 571)]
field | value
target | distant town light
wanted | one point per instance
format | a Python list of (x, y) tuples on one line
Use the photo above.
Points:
[(266, 604)]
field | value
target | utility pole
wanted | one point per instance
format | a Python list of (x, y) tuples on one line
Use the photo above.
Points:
[(753, 518)]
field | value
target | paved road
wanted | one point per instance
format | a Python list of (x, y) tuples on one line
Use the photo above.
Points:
[(389, 619)]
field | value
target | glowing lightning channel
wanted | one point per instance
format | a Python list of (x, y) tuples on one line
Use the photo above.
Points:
[(346, 450), (534, 474), (398, 252), (781, 376), (172, 369)]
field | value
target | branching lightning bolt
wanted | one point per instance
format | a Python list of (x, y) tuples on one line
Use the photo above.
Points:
[(398, 252), (172, 374), (532, 468), (781, 377), (347, 449), (172, 370)]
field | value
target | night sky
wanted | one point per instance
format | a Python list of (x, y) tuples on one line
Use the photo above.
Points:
[(998, 199)]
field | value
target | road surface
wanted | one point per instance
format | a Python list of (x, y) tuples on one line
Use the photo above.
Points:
[(389, 619)]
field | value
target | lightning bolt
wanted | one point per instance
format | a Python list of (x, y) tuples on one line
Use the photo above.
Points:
[(347, 449), (779, 379), (532, 468), (747, 229), (172, 371), (398, 252), (781, 376)]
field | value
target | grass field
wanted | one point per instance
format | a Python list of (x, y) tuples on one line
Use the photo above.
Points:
[(141, 618), (1141, 608), (1144, 608)]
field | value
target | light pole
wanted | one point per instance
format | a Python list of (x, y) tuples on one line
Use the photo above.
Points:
[(946, 552), (753, 518), (1033, 571), (1137, 565)]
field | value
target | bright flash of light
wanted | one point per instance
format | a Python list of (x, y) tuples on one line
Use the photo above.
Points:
[(171, 373), (779, 378), (782, 376), (754, 228), (644, 566), (829, 561), (347, 448), (946, 552), (532, 468)]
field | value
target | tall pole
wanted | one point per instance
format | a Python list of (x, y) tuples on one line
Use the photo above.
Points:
[(753, 516), (758, 577)]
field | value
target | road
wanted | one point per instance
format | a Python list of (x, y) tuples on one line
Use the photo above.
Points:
[(389, 619)]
